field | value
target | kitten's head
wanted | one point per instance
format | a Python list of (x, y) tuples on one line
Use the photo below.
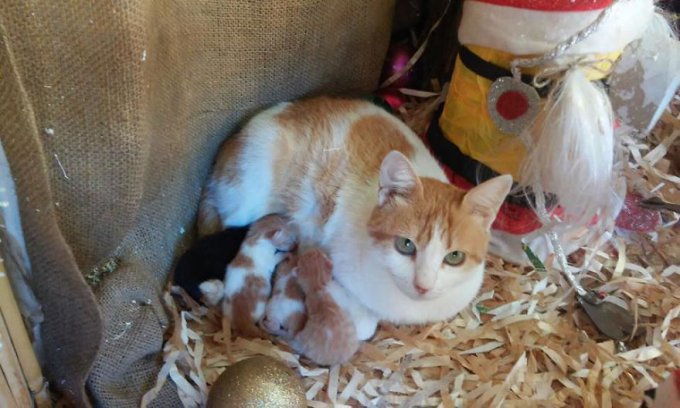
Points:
[(431, 236), (275, 230), (285, 314)]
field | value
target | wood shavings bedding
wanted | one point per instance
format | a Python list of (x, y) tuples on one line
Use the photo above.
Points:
[(522, 342)]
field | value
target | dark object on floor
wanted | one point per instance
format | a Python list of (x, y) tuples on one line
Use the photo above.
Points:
[(610, 319), (658, 204), (674, 150), (208, 259)]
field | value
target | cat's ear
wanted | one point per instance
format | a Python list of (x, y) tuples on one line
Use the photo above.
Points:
[(485, 199), (397, 178)]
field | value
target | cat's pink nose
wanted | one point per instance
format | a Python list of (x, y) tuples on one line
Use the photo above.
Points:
[(421, 290)]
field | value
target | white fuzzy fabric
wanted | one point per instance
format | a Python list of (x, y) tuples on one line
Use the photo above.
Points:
[(571, 149), (523, 31)]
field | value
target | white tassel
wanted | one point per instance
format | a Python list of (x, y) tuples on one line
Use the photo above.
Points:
[(570, 150)]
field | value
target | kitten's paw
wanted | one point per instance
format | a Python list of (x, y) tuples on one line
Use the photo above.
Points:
[(212, 291), (315, 268)]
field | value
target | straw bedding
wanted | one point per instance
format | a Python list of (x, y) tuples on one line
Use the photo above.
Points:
[(523, 342)]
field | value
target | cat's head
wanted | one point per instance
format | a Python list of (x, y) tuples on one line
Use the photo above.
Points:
[(431, 236)]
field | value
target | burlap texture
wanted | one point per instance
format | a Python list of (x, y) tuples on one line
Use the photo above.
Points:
[(110, 115)]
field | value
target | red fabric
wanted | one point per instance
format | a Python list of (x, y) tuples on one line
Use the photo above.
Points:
[(552, 5), (511, 218), (512, 104), (636, 218)]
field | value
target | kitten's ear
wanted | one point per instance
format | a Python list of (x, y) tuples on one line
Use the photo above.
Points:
[(397, 178), (485, 199)]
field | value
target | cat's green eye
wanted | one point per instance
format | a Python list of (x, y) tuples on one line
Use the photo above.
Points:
[(455, 258), (405, 246)]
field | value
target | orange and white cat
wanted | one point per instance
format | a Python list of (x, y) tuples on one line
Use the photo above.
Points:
[(406, 246)]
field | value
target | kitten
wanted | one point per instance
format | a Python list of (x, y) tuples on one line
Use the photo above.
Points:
[(247, 281), (207, 260), (285, 314), (406, 246), (329, 336)]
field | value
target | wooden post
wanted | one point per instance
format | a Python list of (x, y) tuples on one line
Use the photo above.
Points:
[(20, 368)]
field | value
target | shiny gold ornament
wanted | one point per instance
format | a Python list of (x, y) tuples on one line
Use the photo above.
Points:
[(258, 382)]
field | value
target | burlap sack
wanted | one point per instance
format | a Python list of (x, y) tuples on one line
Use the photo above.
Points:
[(110, 115)]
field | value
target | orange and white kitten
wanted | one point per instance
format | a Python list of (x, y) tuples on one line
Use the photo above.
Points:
[(406, 246), (329, 335)]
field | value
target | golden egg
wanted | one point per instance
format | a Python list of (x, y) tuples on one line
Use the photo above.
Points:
[(258, 382)]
